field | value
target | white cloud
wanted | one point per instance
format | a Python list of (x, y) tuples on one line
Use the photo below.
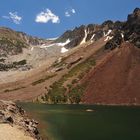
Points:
[(73, 11), (68, 13), (14, 17), (46, 16)]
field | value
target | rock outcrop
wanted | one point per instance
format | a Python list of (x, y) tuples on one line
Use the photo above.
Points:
[(14, 115), (91, 32), (132, 27), (127, 31)]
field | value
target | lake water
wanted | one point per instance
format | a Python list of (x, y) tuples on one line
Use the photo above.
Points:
[(74, 122)]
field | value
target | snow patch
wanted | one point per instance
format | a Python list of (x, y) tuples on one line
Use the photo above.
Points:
[(92, 36), (122, 35), (46, 46), (52, 38), (84, 39), (63, 50), (50, 45), (108, 38), (43, 46), (63, 44), (109, 31)]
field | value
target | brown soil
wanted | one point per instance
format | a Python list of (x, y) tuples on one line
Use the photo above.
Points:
[(116, 79), (26, 91)]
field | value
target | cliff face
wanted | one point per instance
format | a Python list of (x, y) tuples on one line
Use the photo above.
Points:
[(15, 116), (132, 27), (91, 32), (129, 31)]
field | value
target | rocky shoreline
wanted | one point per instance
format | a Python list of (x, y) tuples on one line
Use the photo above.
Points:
[(15, 116)]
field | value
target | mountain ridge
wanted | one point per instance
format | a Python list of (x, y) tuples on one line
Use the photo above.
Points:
[(63, 64)]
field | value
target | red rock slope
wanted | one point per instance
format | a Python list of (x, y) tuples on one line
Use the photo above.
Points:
[(117, 81)]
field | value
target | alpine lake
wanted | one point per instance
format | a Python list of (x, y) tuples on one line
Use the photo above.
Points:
[(85, 122)]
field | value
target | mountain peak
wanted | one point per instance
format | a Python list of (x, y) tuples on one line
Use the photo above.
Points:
[(137, 10), (135, 15)]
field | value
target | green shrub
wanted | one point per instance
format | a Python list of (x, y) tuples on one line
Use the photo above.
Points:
[(9, 90), (76, 93), (43, 79), (57, 93), (22, 62), (74, 81)]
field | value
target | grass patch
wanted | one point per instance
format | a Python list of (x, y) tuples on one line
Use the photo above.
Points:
[(82, 67), (56, 64), (58, 93), (9, 90), (47, 77)]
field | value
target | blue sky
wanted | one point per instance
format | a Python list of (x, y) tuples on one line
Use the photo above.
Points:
[(50, 18)]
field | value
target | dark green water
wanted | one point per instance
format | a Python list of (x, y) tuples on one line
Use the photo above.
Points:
[(73, 122)]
